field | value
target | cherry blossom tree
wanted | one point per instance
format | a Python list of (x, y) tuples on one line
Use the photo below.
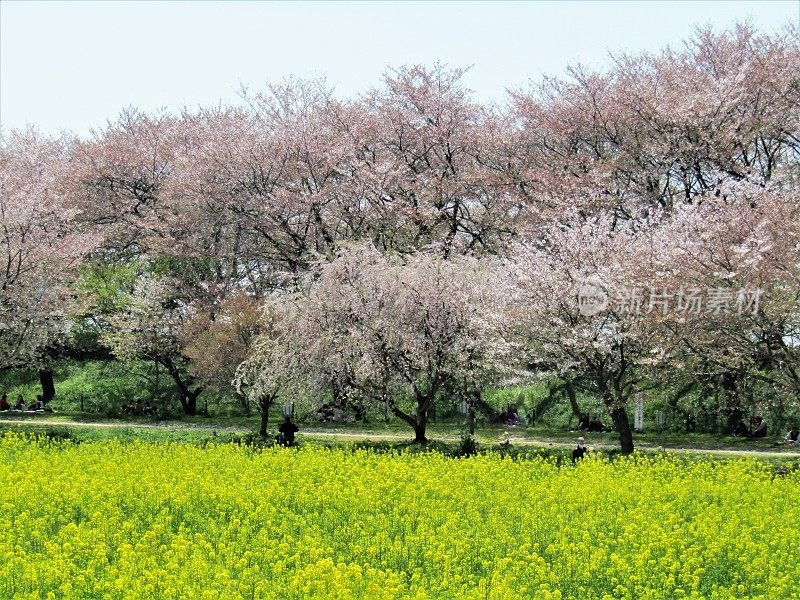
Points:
[(658, 142), (743, 245), (190, 258), (276, 364), (373, 224), (586, 307), (424, 169), (151, 327), (121, 172), (657, 130), (268, 183), (42, 241), (396, 331)]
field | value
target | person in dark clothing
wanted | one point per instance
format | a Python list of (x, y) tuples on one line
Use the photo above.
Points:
[(595, 425), (741, 429), (761, 428), (38, 405), (580, 451), (4, 405), (512, 418), (20, 405), (583, 422), (286, 432)]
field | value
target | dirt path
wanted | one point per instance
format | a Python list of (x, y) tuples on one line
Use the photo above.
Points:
[(381, 437)]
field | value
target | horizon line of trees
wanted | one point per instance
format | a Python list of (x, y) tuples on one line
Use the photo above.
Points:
[(412, 245)]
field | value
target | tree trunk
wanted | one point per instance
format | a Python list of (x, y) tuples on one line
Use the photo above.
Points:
[(569, 389), (623, 426), (733, 405), (423, 404), (419, 431), (186, 395), (419, 423), (264, 404), (244, 401), (48, 387), (189, 403), (542, 407), (615, 403), (262, 430), (734, 417), (336, 395), (484, 407)]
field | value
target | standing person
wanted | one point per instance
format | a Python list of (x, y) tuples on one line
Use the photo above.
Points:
[(4, 405), (580, 451), (761, 428), (286, 432)]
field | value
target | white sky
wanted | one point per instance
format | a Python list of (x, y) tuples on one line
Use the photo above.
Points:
[(73, 65)]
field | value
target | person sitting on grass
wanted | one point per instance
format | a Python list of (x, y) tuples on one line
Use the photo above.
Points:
[(286, 432), (580, 451), (512, 418), (741, 429), (793, 437), (324, 413), (596, 425), (4, 405), (38, 405), (20, 405), (583, 422), (761, 428)]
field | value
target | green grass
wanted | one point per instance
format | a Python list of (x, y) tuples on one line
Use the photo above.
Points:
[(102, 387), (557, 446), (444, 434)]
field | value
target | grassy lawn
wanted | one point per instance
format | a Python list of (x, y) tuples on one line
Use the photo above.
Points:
[(447, 433)]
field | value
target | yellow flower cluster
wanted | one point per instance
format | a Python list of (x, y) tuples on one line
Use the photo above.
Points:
[(141, 520)]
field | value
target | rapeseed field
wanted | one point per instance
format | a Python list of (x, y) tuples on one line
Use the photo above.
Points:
[(155, 520)]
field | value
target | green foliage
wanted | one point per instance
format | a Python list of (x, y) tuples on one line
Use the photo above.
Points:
[(706, 409), (523, 397), (99, 387), (104, 386), (20, 381), (108, 284), (104, 288), (87, 386), (469, 446), (190, 269)]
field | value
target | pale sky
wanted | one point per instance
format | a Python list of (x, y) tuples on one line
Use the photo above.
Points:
[(73, 65)]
